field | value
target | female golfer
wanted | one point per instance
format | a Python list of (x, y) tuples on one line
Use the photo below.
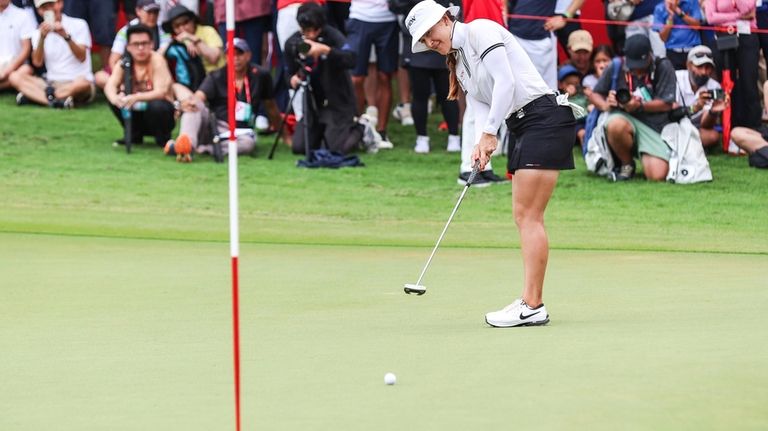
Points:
[(501, 83)]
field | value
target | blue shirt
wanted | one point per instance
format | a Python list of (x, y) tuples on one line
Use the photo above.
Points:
[(531, 29), (679, 38), (645, 8)]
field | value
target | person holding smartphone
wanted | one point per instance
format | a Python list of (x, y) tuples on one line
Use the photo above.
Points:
[(701, 94), (63, 45)]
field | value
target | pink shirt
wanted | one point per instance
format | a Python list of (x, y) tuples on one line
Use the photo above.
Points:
[(244, 9), (727, 12), (283, 3)]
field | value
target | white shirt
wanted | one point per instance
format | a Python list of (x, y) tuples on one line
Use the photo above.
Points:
[(685, 94), (118, 46), (371, 11), (15, 26), (60, 63), (562, 6), (486, 52)]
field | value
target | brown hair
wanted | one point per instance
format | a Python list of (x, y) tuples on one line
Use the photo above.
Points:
[(450, 60), (453, 81)]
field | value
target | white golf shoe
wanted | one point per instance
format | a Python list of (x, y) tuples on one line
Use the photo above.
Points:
[(518, 313)]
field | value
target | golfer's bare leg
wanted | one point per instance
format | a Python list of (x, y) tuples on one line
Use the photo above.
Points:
[(531, 190)]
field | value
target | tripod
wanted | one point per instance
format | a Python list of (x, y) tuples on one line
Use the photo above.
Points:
[(127, 64), (307, 102)]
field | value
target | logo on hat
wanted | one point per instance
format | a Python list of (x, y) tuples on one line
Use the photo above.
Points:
[(410, 22)]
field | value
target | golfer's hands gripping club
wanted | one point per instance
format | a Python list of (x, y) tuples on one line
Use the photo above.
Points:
[(483, 150)]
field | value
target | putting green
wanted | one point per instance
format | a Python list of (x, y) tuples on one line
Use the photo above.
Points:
[(124, 334)]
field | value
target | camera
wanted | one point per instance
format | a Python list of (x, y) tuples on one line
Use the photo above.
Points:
[(623, 96), (303, 48), (717, 94), (677, 114)]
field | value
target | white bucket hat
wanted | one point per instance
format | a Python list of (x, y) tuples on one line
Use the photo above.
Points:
[(422, 17)]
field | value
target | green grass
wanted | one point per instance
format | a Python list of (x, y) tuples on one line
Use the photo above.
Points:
[(133, 334), (115, 301), (61, 175)]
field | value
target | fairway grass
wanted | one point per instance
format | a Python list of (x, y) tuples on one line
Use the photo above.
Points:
[(128, 334)]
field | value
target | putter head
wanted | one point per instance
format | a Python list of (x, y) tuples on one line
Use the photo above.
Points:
[(416, 289)]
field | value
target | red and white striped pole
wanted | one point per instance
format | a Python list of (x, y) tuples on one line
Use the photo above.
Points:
[(234, 235)]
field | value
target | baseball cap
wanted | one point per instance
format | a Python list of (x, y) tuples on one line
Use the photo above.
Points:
[(148, 5), (39, 3), (241, 44), (422, 17), (637, 51), (580, 39), (700, 55), (567, 70)]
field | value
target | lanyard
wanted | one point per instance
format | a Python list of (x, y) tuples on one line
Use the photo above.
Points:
[(247, 90)]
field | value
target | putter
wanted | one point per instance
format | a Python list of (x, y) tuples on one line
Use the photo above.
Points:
[(418, 288)]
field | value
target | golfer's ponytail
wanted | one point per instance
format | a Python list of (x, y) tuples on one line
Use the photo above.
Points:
[(453, 81)]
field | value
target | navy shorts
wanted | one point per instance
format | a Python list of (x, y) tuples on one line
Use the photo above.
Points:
[(382, 35), (542, 135), (100, 16)]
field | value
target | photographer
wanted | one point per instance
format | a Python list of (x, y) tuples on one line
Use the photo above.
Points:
[(321, 52), (639, 109), (700, 94), (150, 102)]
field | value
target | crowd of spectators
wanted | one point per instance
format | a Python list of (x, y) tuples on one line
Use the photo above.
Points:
[(332, 63)]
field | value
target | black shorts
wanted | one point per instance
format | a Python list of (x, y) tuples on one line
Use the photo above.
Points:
[(542, 135)]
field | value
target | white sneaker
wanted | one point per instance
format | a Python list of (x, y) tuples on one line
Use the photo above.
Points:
[(262, 123), (454, 144), (384, 144), (402, 112), (734, 149), (422, 145), (371, 137), (518, 313)]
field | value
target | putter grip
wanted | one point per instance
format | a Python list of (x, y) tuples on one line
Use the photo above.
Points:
[(473, 174)]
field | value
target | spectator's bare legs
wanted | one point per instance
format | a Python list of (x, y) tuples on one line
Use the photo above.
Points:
[(531, 190), (24, 69), (79, 89), (709, 137), (765, 101), (655, 169), (383, 98), (621, 137), (32, 87), (747, 139), (371, 85), (191, 119), (358, 83)]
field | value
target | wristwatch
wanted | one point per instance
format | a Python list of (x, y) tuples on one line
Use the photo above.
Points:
[(681, 15), (68, 37)]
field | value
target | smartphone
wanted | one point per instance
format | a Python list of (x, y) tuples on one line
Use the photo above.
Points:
[(717, 94), (49, 17)]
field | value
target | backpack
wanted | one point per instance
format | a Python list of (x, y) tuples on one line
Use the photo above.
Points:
[(186, 70), (597, 153), (687, 163)]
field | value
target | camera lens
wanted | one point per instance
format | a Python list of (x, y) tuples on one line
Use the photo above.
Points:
[(623, 96)]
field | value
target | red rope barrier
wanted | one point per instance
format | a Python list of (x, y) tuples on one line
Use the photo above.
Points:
[(725, 29)]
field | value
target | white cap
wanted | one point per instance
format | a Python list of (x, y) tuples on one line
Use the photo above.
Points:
[(422, 17)]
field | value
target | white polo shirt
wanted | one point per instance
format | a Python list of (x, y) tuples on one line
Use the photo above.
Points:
[(371, 11), (685, 93), (495, 72), (60, 63), (15, 26)]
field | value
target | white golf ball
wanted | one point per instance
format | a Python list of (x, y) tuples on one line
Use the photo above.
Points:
[(390, 379)]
